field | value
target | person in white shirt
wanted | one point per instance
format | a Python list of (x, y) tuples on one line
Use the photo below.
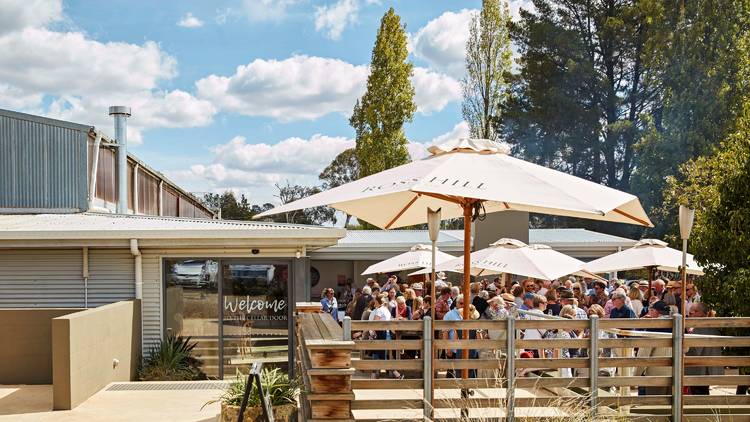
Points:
[(539, 305), (382, 313)]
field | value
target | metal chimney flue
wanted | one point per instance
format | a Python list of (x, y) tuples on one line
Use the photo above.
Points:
[(121, 114)]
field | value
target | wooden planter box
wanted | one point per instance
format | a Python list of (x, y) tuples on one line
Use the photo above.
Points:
[(283, 413)]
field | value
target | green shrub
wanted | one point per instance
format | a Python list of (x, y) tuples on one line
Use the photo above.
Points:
[(172, 360), (280, 388)]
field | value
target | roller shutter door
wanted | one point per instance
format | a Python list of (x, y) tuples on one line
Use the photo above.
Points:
[(41, 278)]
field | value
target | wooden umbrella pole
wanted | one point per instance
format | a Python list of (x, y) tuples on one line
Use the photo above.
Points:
[(467, 276), (650, 281)]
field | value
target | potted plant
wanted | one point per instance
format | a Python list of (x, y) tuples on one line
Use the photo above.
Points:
[(282, 391)]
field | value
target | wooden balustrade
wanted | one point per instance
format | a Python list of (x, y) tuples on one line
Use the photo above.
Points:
[(335, 368)]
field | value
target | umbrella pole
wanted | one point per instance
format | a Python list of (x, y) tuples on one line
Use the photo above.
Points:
[(650, 281), (467, 276)]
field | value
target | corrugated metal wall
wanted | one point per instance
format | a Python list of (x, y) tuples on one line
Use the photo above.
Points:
[(42, 165), (32, 278), (151, 306), (111, 276), (41, 278)]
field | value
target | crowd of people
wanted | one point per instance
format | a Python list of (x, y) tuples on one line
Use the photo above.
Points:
[(494, 299)]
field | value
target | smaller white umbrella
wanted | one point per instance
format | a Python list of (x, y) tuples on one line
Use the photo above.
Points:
[(512, 256), (646, 253), (419, 256)]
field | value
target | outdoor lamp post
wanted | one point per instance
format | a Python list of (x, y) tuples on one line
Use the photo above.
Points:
[(433, 227), (687, 216)]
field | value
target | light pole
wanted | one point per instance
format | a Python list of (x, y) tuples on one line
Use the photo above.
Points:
[(687, 216), (433, 227)]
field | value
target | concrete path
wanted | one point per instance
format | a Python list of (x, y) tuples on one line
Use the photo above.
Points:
[(34, 403)]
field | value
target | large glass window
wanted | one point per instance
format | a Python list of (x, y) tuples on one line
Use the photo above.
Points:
[(249, 297), (192, 306), (255, 306)]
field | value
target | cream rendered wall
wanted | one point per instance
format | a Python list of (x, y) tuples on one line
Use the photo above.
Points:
[(26, 349), (92, 348)]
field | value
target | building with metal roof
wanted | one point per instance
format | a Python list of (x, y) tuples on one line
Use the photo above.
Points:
[(54, 166), (361, 248), (84, 224)]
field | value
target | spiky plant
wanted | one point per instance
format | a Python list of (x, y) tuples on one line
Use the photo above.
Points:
[(172, 360)]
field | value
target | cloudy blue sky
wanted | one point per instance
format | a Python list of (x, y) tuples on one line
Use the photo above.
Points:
[(233, 95)]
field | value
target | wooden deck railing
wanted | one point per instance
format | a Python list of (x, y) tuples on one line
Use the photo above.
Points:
[(338, 362)]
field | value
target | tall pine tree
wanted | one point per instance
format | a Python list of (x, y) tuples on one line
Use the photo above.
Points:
[(488, 62), (583, 88), (388, 103), (699, 52)]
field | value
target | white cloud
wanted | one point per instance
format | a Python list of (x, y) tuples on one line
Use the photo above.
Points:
[(300, 87), (267, 10), (151, 109), (433, 91), (69, 63), (442, 42), (18, 14), (460, 130), (12, 97), (418, 150), (255, 168), (291, 156), (308, 87), (190, 21), (333, 19), (81, 77)]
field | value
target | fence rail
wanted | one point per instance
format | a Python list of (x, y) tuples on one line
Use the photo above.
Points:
[(337, 362)]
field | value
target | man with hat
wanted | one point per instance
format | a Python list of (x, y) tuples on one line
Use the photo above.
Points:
[(440, 282), (657, 309), (568, 298), (599, 295)]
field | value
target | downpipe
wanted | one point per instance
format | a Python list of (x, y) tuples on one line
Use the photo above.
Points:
[(138, 268)]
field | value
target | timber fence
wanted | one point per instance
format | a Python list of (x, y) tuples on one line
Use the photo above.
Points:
[(340, 364)]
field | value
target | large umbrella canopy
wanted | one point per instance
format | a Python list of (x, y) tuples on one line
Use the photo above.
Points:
[(476, 169), (419, 256), (512, 256), (645, 254), (463, 178)]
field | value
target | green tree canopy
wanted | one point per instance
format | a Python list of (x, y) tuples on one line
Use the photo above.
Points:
[(699, 54), (343, 169), (488, 60), (717, 187), (578, 102), (289, 193), (388, 103)]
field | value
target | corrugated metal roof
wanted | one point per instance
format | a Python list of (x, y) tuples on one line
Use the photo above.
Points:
[(116, 226), (573, 236), (364, 238), (412, 237)]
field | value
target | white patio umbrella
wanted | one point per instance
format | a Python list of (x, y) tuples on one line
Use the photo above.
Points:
[(512, 256), (647, 253), (465, 177), (419, 256)]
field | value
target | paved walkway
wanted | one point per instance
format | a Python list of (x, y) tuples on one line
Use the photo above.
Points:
[(34, 403)]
